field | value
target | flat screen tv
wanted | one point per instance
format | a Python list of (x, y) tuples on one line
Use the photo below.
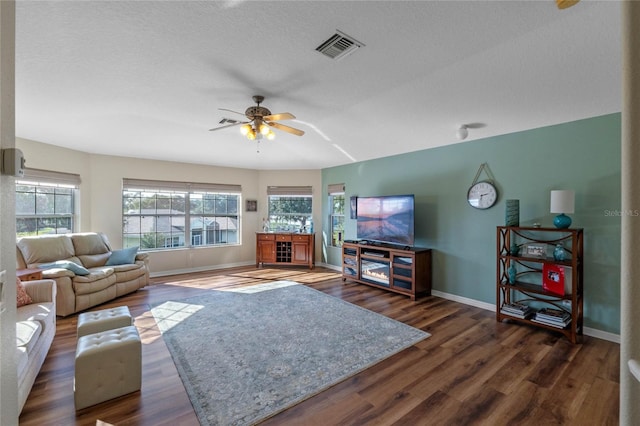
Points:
[(388, 219)]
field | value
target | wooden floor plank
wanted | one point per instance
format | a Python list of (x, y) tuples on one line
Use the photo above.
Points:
[(518, 405), (473, 370)]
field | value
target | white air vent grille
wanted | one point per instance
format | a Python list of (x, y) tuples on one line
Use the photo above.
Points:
[(338, 46)]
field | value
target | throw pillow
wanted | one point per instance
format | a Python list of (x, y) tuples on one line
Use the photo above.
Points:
[(21, 294), (66, 264), (123, 257)]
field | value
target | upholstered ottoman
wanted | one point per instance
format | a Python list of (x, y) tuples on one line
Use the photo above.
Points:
[(108, 365), (106, 319)]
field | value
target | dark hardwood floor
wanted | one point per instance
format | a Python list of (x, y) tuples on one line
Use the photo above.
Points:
[(472, 370)]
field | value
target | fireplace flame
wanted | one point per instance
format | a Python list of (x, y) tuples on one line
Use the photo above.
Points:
[(379, 275)]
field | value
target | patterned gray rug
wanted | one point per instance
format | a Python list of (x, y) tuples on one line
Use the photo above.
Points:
[(245, 356)]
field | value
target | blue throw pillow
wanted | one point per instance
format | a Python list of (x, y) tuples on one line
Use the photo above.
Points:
[(123, 257), (66, 264)]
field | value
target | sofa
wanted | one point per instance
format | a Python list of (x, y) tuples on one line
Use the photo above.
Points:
[(35, 329), (87, 271)]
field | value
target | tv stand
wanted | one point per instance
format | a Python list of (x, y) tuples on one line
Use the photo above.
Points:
[(404, 270)]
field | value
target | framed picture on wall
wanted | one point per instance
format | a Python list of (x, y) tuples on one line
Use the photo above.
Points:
[(354, 207), (252, 205)]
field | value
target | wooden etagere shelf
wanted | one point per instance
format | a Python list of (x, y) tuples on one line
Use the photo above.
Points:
[(535, 248)]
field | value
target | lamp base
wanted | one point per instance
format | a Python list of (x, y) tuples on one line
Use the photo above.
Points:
[(562, 221)]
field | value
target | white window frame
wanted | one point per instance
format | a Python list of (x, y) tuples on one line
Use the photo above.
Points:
[(51, 180), (293, 221), (182, 237), (335, 190)]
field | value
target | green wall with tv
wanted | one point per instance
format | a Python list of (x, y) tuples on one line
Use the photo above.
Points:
[(583, 155)]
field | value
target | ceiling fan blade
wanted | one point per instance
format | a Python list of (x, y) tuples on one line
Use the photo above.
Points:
[(228, 125), (280, 116), (230, 110), (287, 129)]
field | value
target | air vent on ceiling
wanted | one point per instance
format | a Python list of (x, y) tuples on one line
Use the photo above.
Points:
[(338, 46), (228, 121)]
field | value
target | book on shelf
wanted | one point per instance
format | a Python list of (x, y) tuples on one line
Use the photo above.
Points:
[(555, 324), (516, 309), (552, 313), (516, 314), (553, 317)]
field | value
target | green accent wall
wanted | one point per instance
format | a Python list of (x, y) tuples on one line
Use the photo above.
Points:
[(583, 155)]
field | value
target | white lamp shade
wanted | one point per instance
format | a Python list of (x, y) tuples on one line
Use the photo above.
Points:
[(563, 201)]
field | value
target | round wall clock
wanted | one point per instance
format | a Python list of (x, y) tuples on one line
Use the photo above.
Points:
[(482, 195)]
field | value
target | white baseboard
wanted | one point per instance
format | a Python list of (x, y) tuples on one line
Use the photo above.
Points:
[(326, 265), (201, 269), (465, 300), (604, 335)]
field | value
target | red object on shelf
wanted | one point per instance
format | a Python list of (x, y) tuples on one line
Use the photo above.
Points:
[(553, 278)]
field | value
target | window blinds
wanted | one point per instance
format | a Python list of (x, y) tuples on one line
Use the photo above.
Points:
[(50, 177), (336, 188), (159, 185), (290, 190)]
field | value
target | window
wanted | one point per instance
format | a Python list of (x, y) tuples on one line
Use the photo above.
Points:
[(45, 202), (156, 214), (290, 208), (336, 214), (214, 218)]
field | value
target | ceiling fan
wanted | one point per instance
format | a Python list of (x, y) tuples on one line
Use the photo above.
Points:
[(260, 121)]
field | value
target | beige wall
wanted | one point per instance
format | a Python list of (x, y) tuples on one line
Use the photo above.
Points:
[(101, 198), (49, 157)]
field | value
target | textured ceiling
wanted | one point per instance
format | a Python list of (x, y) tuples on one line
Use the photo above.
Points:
[(146, 79)]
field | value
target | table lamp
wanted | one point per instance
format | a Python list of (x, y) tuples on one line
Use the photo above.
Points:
[(562, 201)]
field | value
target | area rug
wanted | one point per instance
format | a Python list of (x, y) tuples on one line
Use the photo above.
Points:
[(246, 355)]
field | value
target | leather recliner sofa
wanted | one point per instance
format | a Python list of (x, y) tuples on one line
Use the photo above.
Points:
[(35, 330), (101, 280)]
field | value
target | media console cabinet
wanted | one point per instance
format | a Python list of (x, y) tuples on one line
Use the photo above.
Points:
[(401, 270), (286, 248)]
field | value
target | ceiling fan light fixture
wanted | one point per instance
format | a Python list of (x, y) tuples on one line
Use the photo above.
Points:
[(261, 122), (245, 129)]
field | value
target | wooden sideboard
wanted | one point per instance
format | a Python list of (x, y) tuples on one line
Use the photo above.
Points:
[(285, 248)]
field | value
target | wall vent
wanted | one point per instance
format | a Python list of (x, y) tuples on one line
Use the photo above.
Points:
[(339, 45)]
